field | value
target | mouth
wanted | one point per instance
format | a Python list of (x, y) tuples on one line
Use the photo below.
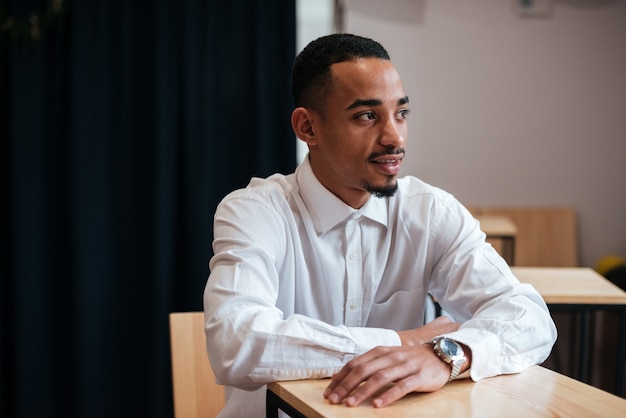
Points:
[(388, 163), (387, 160)]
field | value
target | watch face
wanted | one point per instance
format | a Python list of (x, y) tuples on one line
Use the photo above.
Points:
[(450, 348)]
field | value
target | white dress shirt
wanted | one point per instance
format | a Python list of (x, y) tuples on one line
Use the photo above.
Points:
[(301, 283)]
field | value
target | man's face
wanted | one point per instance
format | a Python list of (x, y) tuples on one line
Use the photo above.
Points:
[(360, 140)]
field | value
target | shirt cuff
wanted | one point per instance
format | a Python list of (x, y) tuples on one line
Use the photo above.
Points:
[(485, 348), (368, 338)]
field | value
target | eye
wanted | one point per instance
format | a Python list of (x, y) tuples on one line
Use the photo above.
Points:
[(366, 116), (403, 113)]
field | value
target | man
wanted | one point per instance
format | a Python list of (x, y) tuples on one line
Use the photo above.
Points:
[(325, 272)]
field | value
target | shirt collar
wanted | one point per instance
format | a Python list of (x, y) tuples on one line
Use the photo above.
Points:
[(326, 209)]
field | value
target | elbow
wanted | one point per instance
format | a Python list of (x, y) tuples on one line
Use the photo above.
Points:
[(231, 360), (229, 376), (230, 369), (552, 332)]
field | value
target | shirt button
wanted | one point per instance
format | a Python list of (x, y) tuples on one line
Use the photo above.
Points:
[(353, 306), (353, 256)]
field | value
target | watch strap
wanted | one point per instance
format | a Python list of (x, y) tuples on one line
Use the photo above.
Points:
[(456, 368)]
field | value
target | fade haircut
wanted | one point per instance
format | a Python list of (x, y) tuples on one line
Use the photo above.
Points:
[(311, 78)]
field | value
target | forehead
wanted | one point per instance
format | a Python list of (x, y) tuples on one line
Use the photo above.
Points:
[(366, 78)]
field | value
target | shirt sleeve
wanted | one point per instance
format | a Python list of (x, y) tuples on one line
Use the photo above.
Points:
[(249, 341), (505, 323)]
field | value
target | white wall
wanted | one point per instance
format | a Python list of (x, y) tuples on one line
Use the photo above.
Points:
[(314, 18), (514, 111)]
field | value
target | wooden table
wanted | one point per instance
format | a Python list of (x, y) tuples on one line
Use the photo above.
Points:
[(536, 392), (501, 233), (581, 289)]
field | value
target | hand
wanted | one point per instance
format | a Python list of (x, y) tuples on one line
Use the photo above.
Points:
[(393, 371)]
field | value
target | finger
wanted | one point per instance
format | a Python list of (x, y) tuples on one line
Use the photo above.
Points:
[(331, 386), (374, 384), (337, 378), (407, 370), (428, 376), (395, 392), (367, 379), (355, 373), (419, 382)]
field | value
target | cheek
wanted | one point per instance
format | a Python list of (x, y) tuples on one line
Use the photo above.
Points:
[(350, 152), (335, 141), (345, 143)]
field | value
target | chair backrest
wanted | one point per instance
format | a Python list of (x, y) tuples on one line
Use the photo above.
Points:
[(196, 394), (546, 236)]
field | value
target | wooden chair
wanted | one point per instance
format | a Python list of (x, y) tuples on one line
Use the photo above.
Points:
[(196, 394), (546, 236)]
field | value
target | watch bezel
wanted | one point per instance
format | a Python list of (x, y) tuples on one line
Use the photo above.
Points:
[(455, 361), (449, 357)]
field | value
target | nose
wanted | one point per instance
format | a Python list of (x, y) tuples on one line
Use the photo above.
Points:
[(393, 134)]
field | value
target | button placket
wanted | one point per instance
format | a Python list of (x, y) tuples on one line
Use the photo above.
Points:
[(354, 291)]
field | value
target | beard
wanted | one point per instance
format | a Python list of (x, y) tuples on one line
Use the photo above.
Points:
[(387, 190)]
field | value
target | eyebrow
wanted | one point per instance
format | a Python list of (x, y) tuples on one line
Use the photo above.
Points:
[(374, 102)]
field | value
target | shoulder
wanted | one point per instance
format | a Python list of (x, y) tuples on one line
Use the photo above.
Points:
[(413, 190), (418, 201), (260, 198), (271, 189)]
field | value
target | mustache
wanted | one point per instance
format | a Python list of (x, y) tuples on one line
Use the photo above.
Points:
[(392, 151)]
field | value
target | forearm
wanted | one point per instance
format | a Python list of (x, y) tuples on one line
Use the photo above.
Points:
[(252, 346), (507, 337)]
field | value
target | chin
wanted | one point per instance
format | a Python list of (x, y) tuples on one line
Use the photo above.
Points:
[(386, 190)]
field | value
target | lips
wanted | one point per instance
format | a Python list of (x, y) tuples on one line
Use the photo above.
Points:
[(389, 163)]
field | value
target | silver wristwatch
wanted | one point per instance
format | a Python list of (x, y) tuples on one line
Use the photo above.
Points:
[(450, 352)]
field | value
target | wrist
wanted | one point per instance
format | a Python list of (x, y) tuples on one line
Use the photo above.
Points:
[(456, 355), (468, 358)]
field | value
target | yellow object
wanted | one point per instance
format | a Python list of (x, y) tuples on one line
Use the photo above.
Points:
[(608, 263)]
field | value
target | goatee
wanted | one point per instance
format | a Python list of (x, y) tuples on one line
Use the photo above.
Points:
[(387, 190)]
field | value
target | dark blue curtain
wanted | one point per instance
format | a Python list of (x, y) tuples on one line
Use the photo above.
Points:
[(122, 124)]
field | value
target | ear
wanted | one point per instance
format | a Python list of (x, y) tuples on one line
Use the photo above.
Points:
[(302, 122)]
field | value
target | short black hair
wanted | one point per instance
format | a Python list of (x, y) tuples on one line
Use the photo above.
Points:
[(311, 76)]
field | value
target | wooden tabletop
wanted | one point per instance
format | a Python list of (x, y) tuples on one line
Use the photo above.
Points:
[(536, 392), (575, 285)]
